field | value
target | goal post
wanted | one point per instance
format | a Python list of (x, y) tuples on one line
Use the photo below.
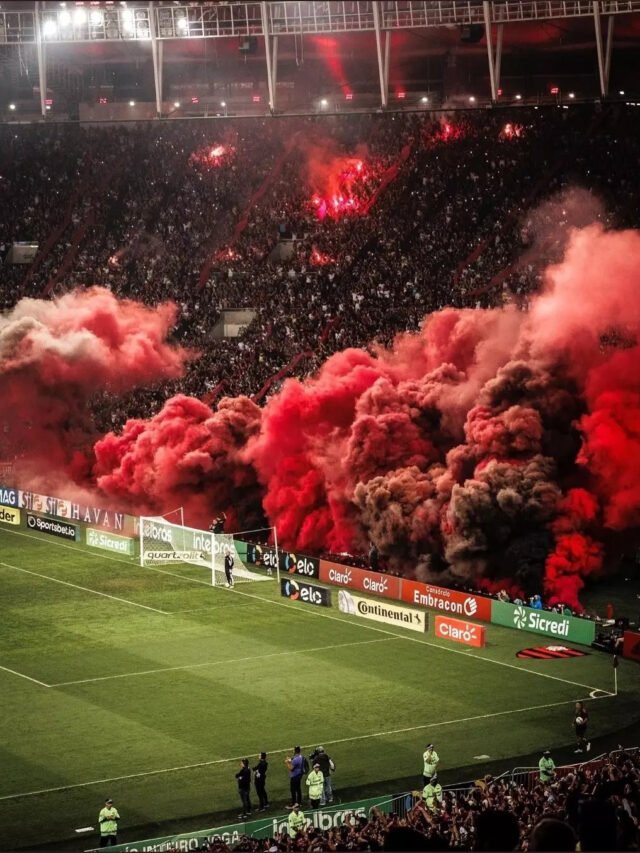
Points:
[(163, 543)]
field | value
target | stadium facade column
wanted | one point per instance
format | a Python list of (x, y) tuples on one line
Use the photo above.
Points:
[(271, 55), (383, 62), (607, 58), (42, 60), (495, 61), (156, 54)]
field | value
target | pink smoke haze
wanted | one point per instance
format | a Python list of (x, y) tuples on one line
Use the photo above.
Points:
[(496, 447)]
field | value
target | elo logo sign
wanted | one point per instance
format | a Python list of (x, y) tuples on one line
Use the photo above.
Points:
[(306, 566), (298, 591)]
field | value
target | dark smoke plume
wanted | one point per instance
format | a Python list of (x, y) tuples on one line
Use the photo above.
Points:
[(496, 447)]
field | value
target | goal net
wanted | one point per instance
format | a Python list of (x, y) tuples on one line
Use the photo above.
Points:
[(163, 543)]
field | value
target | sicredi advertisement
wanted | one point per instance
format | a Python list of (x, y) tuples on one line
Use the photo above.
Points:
[(52, 527), (382, 611), (109, 542), (543, 622)]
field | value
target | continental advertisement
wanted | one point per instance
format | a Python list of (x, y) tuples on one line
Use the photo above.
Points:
[(550, 624), (326, 817), (382, 611)]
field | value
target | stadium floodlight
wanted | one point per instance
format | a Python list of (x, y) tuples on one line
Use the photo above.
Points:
[(182, 24), (572, 95), (472, 99), (64, 18), (176, 104), (621, 92), (49, 28), (324, 103), (132, 103), (424, 100), (12, 106), (518, 97), (79, 17), (97, 18), (223, 104)]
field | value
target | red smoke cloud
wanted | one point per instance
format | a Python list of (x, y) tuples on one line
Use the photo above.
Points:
[(55, 356), (494, 446)]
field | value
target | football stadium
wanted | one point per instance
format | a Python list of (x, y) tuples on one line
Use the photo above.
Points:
[(320, 426)]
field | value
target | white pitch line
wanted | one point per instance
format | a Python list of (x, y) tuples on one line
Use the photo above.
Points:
[(235, 759), (84, 588), (316, 612), (222, 662), (22, 675)]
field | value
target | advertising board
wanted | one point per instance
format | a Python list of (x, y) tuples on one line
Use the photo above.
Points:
[(293, 564), (109, 541), (375, 583), (9, 515), (449, 601), (306, 592), (631, 647), (466, 633), (391, 614), (543, 622), (52, 527)]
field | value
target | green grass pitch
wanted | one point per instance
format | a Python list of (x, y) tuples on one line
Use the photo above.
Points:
[(149, 686)]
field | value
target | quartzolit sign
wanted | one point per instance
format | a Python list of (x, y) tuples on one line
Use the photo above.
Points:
[(449, 601), (375, 583)]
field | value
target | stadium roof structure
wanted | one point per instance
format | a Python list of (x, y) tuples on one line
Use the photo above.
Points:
[(45, 24)]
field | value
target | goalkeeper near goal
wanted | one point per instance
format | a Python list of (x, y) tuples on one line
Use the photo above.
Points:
[(228, 566)]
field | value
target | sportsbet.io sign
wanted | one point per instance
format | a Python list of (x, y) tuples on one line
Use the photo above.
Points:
[(52, 527), (543, 622)]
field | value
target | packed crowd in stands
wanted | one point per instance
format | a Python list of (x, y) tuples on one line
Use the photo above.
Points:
[(460, 219), (595, 805)]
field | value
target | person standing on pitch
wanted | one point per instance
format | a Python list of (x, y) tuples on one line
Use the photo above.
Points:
[(228, 567), (260, 781), (315, 784), (431, 760), (580, 722), (108, 822), (243, 778), (319, 756), (295, 765)]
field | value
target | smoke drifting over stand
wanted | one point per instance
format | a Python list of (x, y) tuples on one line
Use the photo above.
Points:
[(494, 446)]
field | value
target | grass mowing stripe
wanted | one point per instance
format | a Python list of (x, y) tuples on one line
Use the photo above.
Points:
[(316, 612), (22, 675), (221, 662), (215, 761), (84, 588)]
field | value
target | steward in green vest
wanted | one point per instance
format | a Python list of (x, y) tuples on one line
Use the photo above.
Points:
[(432, 794), (108, 821), (547, 768), (315, 783), (297, 821)]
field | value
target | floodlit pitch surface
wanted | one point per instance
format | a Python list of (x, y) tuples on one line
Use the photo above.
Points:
[(148, 686)]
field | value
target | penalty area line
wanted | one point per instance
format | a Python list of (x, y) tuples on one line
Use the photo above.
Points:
[(280, 751), (84, 588), (22, 675)]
